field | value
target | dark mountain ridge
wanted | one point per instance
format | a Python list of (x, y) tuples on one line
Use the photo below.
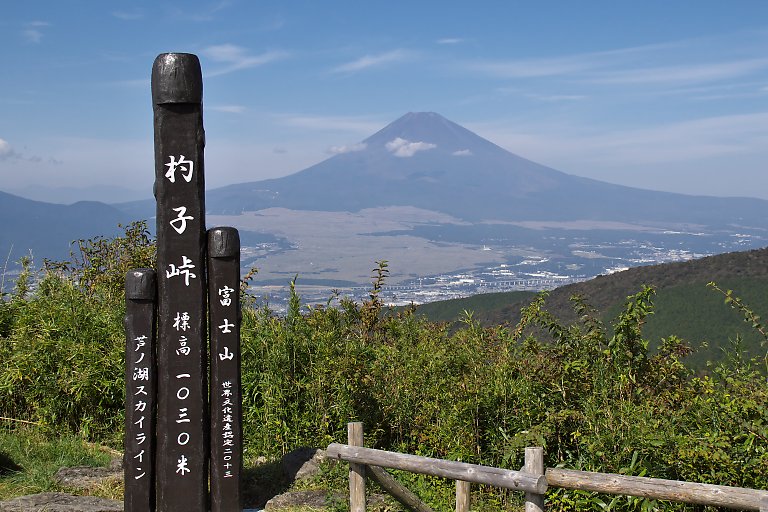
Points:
[(684, 305), (47, 229), (606, 291)]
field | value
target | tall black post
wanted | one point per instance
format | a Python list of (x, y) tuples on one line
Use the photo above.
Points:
[(182, 425), (226, 396), (140, 390)]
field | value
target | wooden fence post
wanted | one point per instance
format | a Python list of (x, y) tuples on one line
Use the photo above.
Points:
[(462, 496), (140, 389), (395, 489), (356, 471), (534, 463), (182, 386)]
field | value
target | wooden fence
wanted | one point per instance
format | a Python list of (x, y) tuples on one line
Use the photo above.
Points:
[(533, 479)]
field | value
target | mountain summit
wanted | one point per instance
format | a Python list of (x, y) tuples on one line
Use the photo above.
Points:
[(433, 132), (424, 160)]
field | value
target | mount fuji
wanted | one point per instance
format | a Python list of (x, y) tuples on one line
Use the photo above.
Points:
[(424, 160)]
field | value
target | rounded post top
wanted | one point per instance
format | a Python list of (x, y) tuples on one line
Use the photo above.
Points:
[(177, 78), (140, 284), (223, 242)]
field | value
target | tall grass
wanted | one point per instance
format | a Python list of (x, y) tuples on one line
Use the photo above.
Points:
[(32, 459)]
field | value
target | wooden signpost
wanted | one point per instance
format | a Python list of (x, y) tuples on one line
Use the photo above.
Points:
[(226, 398), (178, 450), (182, 422), (140, 389)]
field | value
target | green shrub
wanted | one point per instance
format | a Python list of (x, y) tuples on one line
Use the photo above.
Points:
[(63, 343)]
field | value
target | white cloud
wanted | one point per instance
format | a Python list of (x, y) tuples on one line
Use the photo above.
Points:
[(718, 155), (129, 15), (230, 109), (694, 140), (6, 151), (557, 97), (616, 66), (225, 52), (205, 14), (32, 35), (450, 40), (681, 74), (33, 32), (462, 152), (360, 125), (221, 4), (550, 98), (675, 63), (405, 149), (370, 61), (728, 89), (237, 58), (340, 150), (134, 83), (543, 67)]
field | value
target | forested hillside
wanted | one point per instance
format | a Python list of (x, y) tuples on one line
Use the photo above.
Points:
[(686, 306)]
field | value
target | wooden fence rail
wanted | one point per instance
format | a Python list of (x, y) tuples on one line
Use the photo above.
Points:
[(516, 480), (531, 480), (660, 489)]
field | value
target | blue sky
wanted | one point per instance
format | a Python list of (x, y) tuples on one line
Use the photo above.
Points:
[(656, 94)]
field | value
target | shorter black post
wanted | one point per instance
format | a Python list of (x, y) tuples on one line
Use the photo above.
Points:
[(140, 389), (226, 395)]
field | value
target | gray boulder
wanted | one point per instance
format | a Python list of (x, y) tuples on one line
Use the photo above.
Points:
[(309, 499), (86, 477), (60, 502), (302, 463)]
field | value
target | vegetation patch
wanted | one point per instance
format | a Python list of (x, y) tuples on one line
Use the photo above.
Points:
[(31, 457), (597, 395)]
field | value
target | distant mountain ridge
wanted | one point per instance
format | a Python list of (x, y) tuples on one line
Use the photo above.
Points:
[(69, 195), (47, 229)]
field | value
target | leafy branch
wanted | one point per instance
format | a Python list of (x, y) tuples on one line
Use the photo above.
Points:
[(749, 315)]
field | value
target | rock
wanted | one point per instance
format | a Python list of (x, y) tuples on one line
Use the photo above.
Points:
[(309, 499), (86, 477), (302, 463), (116, 464), (316, 499), (60, 502)]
